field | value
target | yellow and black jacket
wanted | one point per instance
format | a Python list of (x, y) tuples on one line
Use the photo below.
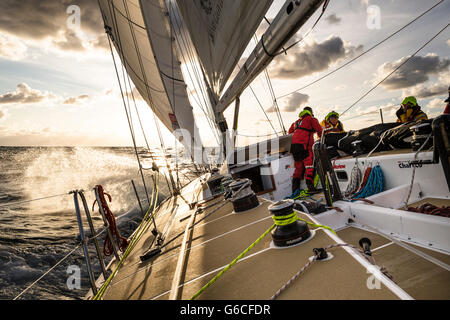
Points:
[(339, 127), (412, 114)]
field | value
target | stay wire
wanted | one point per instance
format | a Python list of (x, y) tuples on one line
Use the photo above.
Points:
[(363, 53), (8, 204), (123, 99), (396, 69)]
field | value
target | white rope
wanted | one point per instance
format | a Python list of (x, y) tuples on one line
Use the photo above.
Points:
[(414, 172), (32, 200), (355, 180), (314, 258)]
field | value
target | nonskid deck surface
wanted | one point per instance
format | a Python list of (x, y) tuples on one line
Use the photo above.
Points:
[(419, 277), (219, 239), (439, 202)]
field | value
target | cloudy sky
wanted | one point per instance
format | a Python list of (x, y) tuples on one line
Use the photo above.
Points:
[(58, 84)]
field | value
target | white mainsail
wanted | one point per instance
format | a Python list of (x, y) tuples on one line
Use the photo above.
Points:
[(141, 35), (221, 30)]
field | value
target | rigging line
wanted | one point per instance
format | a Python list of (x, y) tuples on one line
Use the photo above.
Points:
[(275, 102), (50, 270), (363, 53), (149, 96), (195, 65), (139, 56), (191, 56), (126, 111), (148, 93), (395, 70), (258, 136), (376, 112), (264, 111), (184, 42), (139, 119), (262, 108), (32, 200), (173, 97), (272, 93), (193, 82)]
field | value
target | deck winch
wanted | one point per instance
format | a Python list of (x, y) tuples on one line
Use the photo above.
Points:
[(226, 182), (289, 229), (421, 132), (243, 197), (214, 184)]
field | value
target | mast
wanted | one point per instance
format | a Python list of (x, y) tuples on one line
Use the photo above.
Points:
[(289, 20)]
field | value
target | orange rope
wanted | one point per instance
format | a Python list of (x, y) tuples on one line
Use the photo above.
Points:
[(122, 243)]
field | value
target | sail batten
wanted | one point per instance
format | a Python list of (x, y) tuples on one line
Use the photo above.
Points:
[(220, 31)]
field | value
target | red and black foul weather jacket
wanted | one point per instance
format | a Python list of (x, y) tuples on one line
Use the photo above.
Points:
[(304, 129)]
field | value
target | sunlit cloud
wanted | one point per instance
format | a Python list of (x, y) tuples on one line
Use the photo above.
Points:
[(333, 19), (313, 57), (294, 102), (12, 48), (24, 94), (76, 100), (44, 24), (416, 71)]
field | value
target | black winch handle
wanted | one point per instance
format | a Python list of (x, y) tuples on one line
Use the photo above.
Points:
[(150, 254), (365, 243)]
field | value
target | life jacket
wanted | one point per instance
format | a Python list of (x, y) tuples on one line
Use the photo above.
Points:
[(338, 127), (411, 114)]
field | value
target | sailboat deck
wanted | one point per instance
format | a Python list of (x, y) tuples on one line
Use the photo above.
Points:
[(439, 202), (221, 237), (379, 153), (416, 275)]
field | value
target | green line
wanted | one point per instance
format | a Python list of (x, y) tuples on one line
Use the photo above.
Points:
[(139, 232), (228, 267)]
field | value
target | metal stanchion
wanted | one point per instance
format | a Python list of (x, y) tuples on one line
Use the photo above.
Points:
[(84, 242)]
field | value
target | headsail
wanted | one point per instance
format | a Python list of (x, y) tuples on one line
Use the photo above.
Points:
[(141, 34), (221, 30)]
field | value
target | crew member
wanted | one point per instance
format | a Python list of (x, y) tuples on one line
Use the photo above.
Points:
[(332, 121), (302, 148), (410, 111)]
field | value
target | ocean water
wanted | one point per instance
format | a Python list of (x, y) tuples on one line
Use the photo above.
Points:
[(35, 235)]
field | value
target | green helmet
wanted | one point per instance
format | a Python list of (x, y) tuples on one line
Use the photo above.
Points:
[(306, 110), (410, 100), (332, 114)]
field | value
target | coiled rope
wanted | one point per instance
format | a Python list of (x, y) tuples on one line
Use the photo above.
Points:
[(122, 242), (375, 184), (355, 180), (136, 237)]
